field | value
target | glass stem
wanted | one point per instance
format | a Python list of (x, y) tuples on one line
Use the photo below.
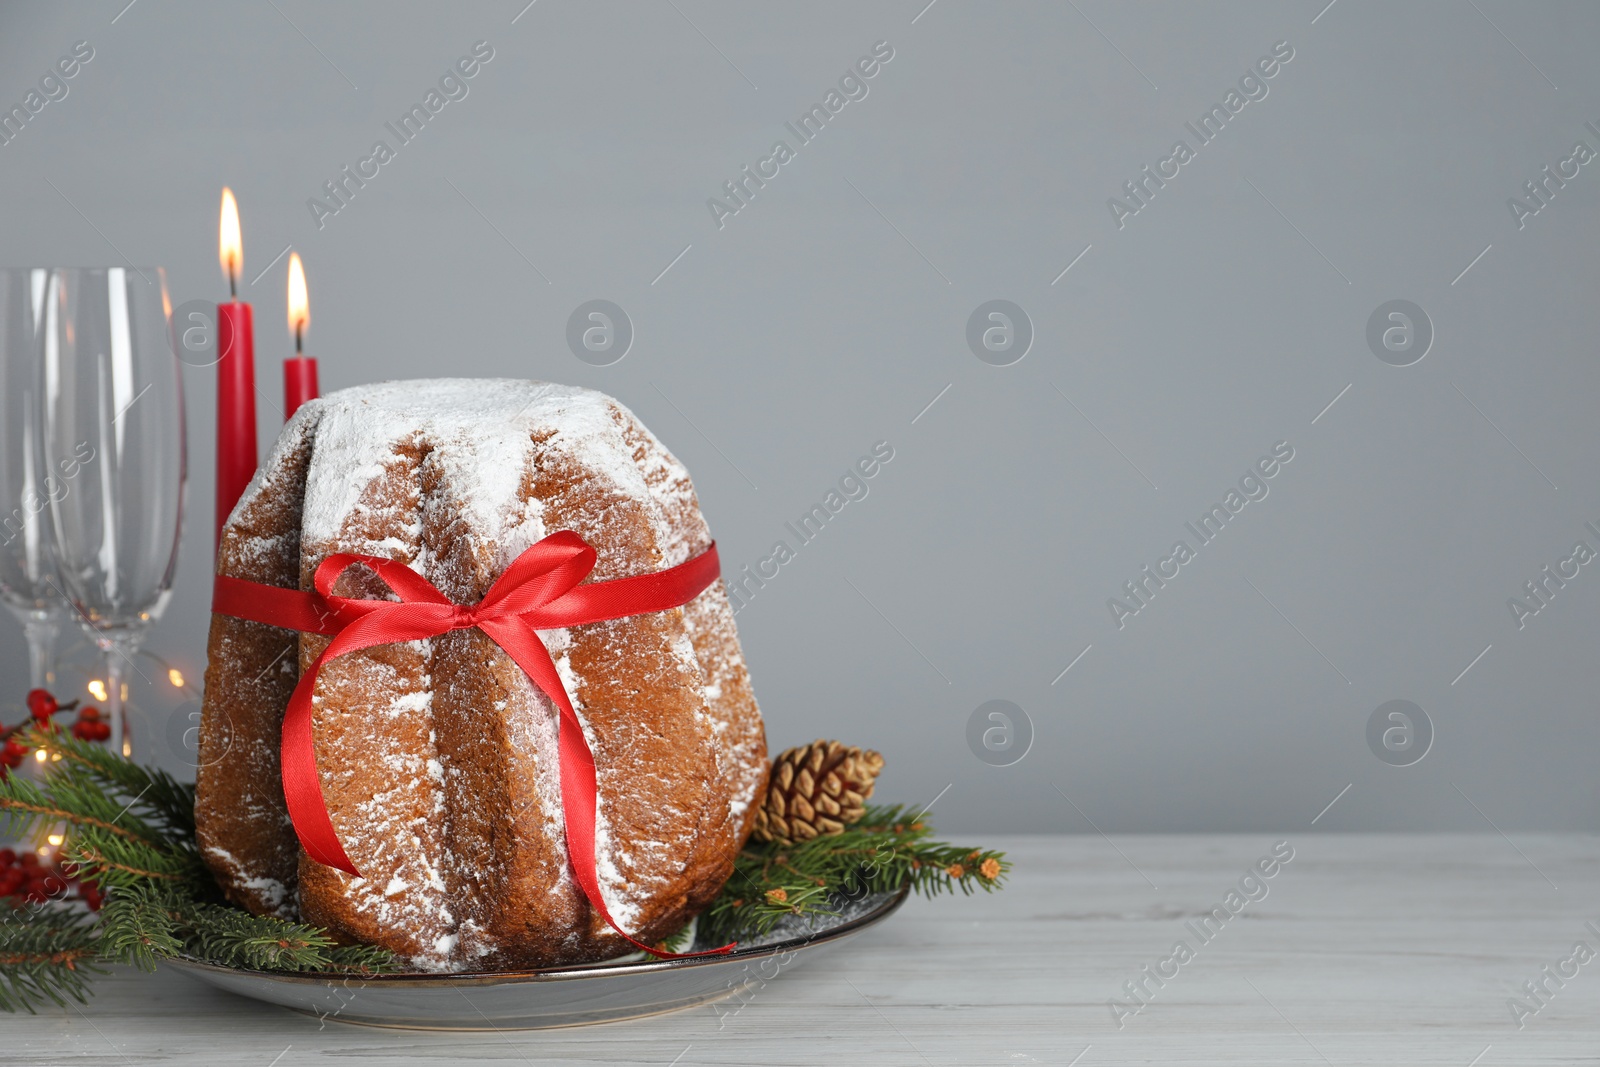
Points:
[(41, 628), (119, 649)]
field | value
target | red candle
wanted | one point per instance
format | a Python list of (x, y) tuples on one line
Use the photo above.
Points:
[(299, 372), (236, 374)]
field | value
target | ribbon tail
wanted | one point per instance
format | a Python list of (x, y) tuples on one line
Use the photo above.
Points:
[(579, 786), (302, 785), (385, 623)]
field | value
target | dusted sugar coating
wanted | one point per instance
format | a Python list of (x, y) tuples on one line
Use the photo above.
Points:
[(241, 823), (438, 758)]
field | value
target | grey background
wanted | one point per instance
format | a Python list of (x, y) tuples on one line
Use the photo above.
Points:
[(1223, 318)]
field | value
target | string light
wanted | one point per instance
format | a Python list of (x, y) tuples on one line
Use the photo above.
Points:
[(175, 676), (97, 689)]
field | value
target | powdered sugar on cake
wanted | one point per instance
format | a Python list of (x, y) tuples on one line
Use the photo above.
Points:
[(457, 478)]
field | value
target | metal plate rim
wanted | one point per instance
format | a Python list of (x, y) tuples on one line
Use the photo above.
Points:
[(470, 979)]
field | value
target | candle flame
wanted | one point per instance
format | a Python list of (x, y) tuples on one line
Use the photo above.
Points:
[(299, 306), (230, 246)]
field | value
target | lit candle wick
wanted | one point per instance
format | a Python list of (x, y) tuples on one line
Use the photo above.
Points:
[(299, 305), (230, 246)]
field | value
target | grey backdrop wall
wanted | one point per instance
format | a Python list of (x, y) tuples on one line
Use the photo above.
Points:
[(1181, 330)]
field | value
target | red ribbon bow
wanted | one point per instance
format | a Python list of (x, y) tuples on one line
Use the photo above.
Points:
[(541, 590)]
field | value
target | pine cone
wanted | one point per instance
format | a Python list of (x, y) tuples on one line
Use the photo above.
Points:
[(815, 790)]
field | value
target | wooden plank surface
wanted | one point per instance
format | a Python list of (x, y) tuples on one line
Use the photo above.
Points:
[(1365, 949)]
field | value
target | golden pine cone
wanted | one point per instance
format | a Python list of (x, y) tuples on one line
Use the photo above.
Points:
[(816, 790)]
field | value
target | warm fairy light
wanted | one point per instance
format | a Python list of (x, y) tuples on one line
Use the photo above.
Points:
[(127, 749), (97, 689), (175, 676), (230, 246), (55, 839), (40, 754), (299, 306)]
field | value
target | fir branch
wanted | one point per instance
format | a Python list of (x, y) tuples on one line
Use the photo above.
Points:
[(116, 863), (47, 953), (888, 848), (150, 792), (130, 830), (226, 935), (143, 924), (140, 925), (67, 797), (359, 959)]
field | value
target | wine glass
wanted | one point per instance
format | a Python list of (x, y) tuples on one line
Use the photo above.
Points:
[(27, 570), (111, 431)]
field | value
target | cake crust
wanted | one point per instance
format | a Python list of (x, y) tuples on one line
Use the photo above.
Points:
[(241, 823)]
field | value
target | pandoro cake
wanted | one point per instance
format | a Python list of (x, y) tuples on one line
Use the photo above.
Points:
[(438, 758)]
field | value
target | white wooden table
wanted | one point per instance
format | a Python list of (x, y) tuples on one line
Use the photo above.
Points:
[(1366, 950)]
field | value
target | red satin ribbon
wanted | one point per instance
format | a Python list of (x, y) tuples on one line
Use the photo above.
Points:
[(541, 590)]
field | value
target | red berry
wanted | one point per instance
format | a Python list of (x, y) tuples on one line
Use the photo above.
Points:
[(10, 881), (28, 859), (42, 704), (89, 726), (8, 857)]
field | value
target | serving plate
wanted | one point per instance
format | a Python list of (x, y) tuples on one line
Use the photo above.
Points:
[(554, 996)]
